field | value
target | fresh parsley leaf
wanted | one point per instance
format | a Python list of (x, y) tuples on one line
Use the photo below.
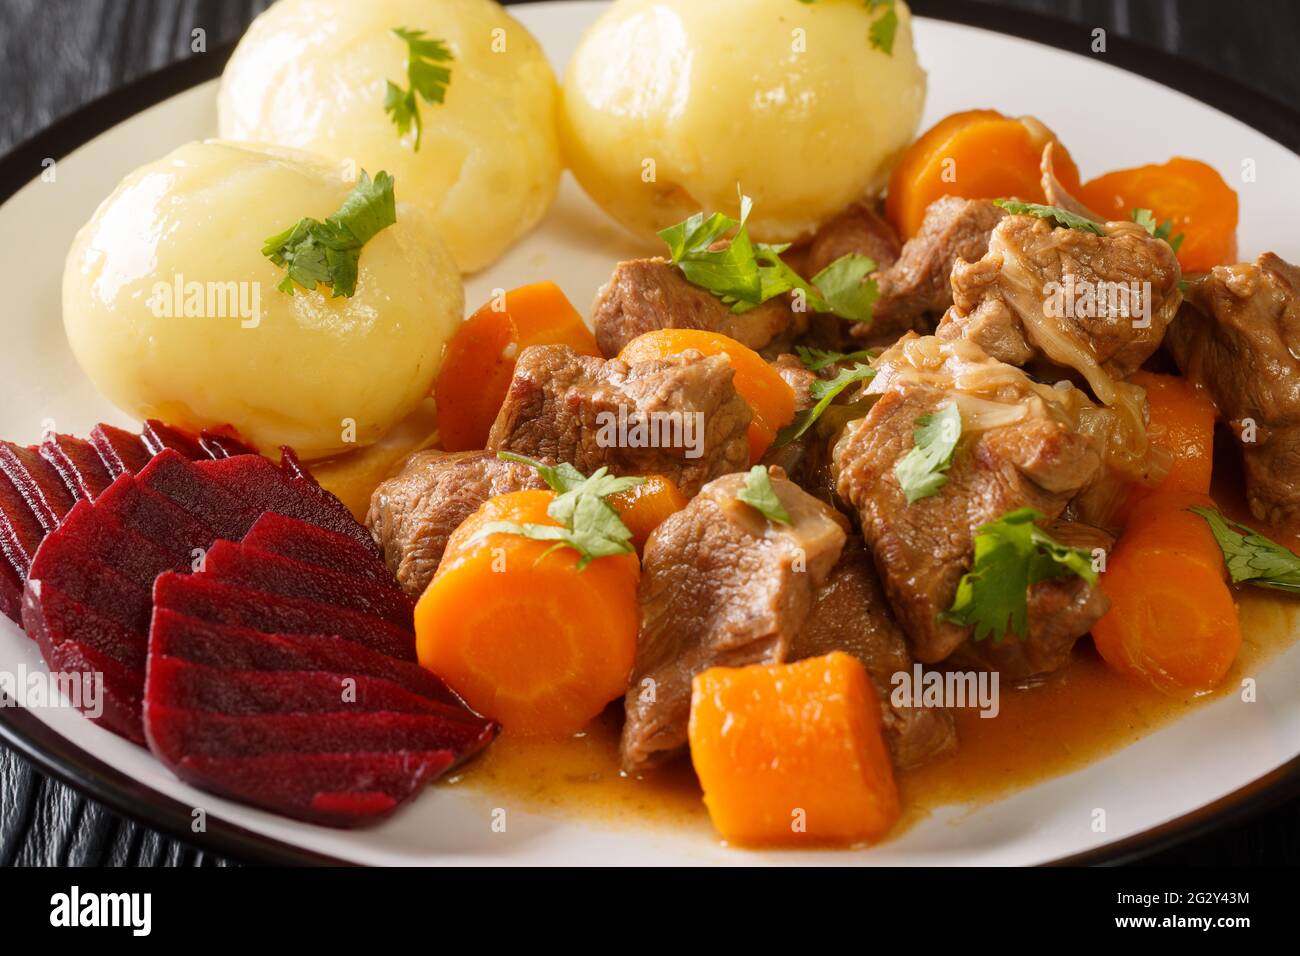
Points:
[(884, 28), (1062, 217), (759, 494), (425, 78), (814, 360), (587, 522), (923, 470), (716, 253), (1250, 556), (314, 252), (1011, 554), (1147, 220), (847, 288), (825, 391)]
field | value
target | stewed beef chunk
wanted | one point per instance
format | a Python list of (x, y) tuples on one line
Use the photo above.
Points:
[(645, 295), (857, 230), (1240, 340), (721, 585), (679, 417), (413, 513), (850, 614), (1020, 446)]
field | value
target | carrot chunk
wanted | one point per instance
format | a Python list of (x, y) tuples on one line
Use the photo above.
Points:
[(977, 154), (644, 507), (1187, 193), (1172, 621), (480, 359), (514, 627), (769, 396), (792, 754)]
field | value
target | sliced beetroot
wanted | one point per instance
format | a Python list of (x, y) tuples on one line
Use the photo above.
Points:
[(300, 541), (225, 509), (94, 583), (335, 790), (52, 617), (177, 732), (93, 533), (175, 634), (121, 451), (158, 436), (260, 570), (154, 517), (11, 591), (39, 482), (173, 682), (203, 597), (292, 467), (20, 530), (79, 464), (258, 481), (116, 703), (218, 444)]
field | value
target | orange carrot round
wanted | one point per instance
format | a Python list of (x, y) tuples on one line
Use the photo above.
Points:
[(1172, 622), (978, 154), (1187, 193), (480, 359), (514, 627), (769, 396), (792, 754), (644, 507)]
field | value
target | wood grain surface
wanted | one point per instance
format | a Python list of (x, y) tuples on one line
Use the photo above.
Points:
[(57, 55)]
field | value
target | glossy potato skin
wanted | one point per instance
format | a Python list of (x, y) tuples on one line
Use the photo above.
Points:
[(301, 368), (669, 104), (311, 74)]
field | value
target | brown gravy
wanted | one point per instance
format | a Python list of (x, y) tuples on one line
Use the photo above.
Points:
[(1074, 717)]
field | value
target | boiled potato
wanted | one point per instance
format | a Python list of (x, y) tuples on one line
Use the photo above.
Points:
[(669, 104), (311, 74), (173, 311)]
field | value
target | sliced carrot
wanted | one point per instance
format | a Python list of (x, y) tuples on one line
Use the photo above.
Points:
[(1172, 621), (1182, 423), (792, 754), (1187, 193), (978, 154), (770, 398), (480, 359), (644, 507), (519, 632)]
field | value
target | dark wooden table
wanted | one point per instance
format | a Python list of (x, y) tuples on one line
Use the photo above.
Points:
[(56, 55)]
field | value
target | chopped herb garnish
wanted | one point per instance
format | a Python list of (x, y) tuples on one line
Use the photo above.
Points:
[(716, 253), (1062, 217), (588, 523), (1251, 557), (825, 391), (425, 78), (759, 494), (814, 360), (1011, 554), (883, 29), (923, 470), (1147, 220), (329, 252)]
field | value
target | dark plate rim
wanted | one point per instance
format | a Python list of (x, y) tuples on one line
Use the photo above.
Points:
[(57, 756)]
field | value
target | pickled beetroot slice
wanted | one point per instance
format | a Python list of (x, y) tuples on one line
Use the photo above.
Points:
[(292, 467), (176, 732), (203, 597), (121, 451), (53, 617), (20, 533), (79, 465), (154, 517), (175, 634), (118, 695), (89, 533), (158, 436), (336, 790), (11, 591), (220, 445), (172, 682), (38, 481), (300, 541), (260, 570)]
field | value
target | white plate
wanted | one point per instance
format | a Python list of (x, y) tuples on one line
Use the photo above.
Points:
[(1110, 118)]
